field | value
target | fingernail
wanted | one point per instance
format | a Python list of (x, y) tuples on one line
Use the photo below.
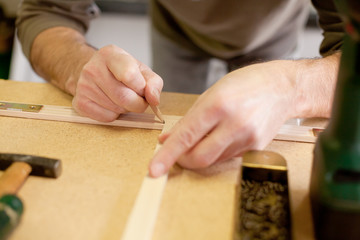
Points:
[(156, 93), (161, 138), (157, 169)]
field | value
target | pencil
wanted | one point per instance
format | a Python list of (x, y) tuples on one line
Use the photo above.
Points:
[(157, 112)]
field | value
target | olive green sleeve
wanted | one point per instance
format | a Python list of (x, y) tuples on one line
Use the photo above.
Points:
[(35, 16), (332, 25)]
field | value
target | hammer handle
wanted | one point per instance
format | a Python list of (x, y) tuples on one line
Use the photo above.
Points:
[(14, 177)]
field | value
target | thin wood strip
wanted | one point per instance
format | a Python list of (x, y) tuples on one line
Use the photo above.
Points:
[(67, 114), (142, 219), (58, 110), (288, 132), (296, 133)]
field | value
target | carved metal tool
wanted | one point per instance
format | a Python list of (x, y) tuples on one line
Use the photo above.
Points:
[(262, 198)]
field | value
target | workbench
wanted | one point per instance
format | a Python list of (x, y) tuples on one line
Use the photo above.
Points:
[(104, 166)]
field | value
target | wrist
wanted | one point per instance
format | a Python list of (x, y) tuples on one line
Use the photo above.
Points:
[(315, 81), (281, 75), (58, 55), (83, 55)]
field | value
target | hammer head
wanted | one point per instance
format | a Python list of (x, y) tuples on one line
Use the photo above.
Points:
[(41, 166)]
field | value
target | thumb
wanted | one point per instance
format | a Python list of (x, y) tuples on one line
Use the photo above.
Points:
[(154, 85)]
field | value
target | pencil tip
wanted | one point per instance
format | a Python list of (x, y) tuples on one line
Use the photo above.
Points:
[(158, 114)]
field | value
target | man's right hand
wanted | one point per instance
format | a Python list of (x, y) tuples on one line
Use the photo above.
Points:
[(113, 82), (104, 82)]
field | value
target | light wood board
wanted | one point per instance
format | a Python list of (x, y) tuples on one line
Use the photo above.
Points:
[(104, 167)]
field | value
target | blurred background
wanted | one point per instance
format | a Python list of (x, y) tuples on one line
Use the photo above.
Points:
[(128, 15)]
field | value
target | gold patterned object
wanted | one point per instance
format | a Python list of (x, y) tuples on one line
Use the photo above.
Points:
[(20, 107)]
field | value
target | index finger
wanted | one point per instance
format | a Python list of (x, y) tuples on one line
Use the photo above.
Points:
[(154, 85), (186, 135), (126, 69)]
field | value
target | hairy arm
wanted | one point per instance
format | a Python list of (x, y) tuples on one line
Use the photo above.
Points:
[(244, 110), (104, 82), (315, 85), (59, 54)]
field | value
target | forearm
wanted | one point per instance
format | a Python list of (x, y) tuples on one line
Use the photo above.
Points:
[(315, 85), (58, 55), (307, 85)]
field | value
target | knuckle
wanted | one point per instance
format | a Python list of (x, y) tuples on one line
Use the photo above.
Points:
[(90, 71), (186, 138), (156, 83), (108, 49), (140, 108), (108, 118), (201, 161), (248, 133), (104, 118), (251, 139), (118, 109), (128, 74), (81, 105), (123, 97), (84, 89), (222, 107)]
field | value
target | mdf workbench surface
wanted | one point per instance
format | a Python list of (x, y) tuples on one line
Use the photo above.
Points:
[(104, 166)]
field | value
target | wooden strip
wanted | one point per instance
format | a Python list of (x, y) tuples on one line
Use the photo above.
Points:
[(142, 219), (296, 133), (290, 131), (67, 114)]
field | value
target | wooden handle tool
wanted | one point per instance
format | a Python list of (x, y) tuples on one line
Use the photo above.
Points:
[(14, 177)]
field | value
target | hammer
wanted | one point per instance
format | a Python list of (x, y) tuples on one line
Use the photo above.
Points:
[(18, 167)]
